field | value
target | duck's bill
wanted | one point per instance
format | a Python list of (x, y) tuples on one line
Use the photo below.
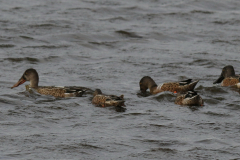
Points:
[(219, 80), (21, 81)]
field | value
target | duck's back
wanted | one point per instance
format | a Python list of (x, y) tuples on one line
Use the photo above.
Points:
[(60, 91), (230, 81), (170, 86)]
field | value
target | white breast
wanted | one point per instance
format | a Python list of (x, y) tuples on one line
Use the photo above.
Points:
[(238, 85)]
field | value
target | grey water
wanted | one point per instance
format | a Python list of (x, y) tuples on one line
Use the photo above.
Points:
[(111, 45)]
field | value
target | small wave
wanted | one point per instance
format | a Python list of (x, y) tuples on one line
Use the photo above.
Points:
[(76, 146), (137, 114), (127, 34), (26, 37), (202, 12), (42, 25), (106, 44), (166, 96), (213, 100), (7, 45), (159, 125), (214, 90), (48, 46), (221, 41), (165, 150), (227, 22), (201, 62), (28, 59), (114, 19), (210, 141), (211, 113)]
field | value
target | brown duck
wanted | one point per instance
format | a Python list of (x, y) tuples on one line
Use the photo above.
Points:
[(103, 100), (191, 98), (175, 87), (32, 76), (228, 77)]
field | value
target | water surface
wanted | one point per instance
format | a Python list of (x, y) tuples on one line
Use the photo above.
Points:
[(111, 45)]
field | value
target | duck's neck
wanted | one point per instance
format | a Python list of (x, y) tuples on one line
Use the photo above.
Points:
[(152, 86), (34, 83)]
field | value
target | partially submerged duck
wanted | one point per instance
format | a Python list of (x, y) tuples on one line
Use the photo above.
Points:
[(190, 98), (103, 100), (32, 76), (148, 83), (228, 77)]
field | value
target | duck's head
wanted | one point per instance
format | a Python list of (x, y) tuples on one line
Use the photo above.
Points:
[(97, 91), (29, 75), (227, 71), (146, 83)]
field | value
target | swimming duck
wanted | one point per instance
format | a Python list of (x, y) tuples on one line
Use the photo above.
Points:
[(148, 83), (191, 98), (32, 76), (228, 77), (103, 100)]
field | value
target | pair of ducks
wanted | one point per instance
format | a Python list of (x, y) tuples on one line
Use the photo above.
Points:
[(99, 98), (185, 89)]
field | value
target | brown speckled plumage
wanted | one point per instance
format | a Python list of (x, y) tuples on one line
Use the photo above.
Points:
[(59, 91), (182, 86), (56, 92), (170, 86), (190, 98), (102, 100), (230, 81), (32, 76)]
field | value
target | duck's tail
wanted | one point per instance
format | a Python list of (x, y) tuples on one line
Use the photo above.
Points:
[(188, 85)]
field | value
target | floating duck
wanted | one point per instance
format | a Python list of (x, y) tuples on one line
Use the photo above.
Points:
[(228, 77), (175, 87), (103, 100), (191, 98), (32, 76)]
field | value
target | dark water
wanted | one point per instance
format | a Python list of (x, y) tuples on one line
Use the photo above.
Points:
[(111, 45)]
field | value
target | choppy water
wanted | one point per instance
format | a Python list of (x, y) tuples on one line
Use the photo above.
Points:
[(111, 45)]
